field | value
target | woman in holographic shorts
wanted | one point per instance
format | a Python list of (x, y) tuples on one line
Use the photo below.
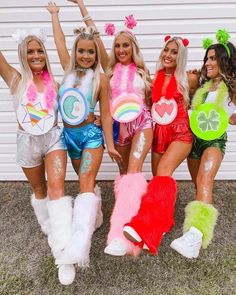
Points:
[(172, 142), (82, 87), (218, 88), (40, 149), (129, 79)]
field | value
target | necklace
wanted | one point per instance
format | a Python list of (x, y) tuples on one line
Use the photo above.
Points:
[(201, 94), (82, 70), (37, 73), (215, 83)]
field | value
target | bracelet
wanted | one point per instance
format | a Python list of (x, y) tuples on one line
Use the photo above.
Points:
[(86, 17)]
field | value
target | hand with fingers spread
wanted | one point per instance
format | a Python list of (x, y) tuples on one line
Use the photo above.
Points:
[(52, 8)]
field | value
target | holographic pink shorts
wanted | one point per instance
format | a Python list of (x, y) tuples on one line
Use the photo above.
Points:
[(128, 130)]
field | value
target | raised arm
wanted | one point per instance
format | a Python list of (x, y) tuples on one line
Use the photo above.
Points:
[(107, 119), (7, 71), (89, 22), (59, 36), (193, 81)]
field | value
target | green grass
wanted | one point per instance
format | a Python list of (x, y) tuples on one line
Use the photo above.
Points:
[(27, 267)]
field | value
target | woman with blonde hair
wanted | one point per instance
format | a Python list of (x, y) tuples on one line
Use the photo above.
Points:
[(130, 102), (83, 85), (40, 149), (171, 145)]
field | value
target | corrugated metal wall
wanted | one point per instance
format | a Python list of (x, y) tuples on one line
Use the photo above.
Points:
[(192, 19)]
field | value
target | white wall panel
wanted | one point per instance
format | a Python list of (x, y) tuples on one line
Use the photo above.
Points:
[(192, 19)]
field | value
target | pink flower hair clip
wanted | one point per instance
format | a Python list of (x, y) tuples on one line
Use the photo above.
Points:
[(130, 23), (184, 41)]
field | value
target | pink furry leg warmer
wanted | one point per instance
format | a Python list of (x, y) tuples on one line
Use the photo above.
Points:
[(156, 214), (128, 192)]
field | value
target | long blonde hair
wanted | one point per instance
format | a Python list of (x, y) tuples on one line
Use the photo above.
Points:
[(19, 84), (137, 58), (181, 63), (89, 33)]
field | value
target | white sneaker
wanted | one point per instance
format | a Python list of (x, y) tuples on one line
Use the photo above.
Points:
[(116, 248), (66, 273), (133, 236), (189, 244)]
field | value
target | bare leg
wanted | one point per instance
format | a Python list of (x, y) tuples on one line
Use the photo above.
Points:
[(141, 144), (173, 157), (89, 166), (156, 157), (55, 164), (76, 164), (193, 167), (209, 166), (124, 152), (36, 178)]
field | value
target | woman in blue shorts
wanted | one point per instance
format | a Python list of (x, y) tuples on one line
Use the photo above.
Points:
[(83, 85)]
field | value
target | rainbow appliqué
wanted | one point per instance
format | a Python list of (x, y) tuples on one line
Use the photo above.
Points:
[(126, 108), (35, 116)]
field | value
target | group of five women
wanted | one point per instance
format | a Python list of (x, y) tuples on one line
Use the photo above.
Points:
[(143, 212)]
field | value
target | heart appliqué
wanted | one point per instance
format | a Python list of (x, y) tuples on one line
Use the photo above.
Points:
[(163, 108), (35, 116), (164, 111)]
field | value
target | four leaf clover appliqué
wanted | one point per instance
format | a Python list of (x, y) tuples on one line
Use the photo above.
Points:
[(210, 122)]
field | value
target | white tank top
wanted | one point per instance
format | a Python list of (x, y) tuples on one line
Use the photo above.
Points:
[(229, 106)]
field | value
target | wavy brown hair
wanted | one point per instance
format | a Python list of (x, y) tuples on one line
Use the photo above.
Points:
[(227, 67)]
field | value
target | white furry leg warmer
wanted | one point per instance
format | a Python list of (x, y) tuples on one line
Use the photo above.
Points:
[(84, 219), (60, 213), (41, 212)]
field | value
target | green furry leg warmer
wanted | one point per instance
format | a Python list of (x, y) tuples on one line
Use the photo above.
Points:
[(202, 216)]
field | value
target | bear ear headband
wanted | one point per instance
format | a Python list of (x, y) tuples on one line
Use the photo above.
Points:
[(20, 35), (130, 23), (222, 36), (184, 41)]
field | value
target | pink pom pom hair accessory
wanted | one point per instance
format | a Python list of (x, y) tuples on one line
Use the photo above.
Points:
[(110, 29), (130, 23)]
